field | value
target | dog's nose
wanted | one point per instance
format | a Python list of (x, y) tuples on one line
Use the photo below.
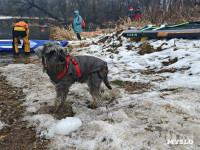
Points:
[(61, 58)]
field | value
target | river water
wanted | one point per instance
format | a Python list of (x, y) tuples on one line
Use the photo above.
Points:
[(35, 33)]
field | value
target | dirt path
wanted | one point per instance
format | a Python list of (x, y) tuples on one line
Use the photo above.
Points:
[(16, 135)]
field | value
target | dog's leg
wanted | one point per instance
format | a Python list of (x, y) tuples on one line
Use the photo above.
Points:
[(61, 93), (61, 96), (94, 82)]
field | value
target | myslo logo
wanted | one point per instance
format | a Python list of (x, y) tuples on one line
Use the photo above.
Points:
[(181, 141)]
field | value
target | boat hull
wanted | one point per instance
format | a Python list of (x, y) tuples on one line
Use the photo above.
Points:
[(6, 45), (187, 30), (189, 33)]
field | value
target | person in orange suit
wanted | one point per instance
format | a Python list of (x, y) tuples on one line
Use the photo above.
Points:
[(21, 30)]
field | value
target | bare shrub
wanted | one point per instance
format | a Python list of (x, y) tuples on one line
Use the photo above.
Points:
[(165, 12), (123, 24), (62, 34), (67, 34), (171, 12)]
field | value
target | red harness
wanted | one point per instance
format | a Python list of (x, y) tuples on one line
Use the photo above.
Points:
[(68, 59)]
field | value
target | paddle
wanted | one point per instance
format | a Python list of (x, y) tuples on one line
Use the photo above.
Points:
[(162, 26), (171, 26), (176, 25), (147, 28)]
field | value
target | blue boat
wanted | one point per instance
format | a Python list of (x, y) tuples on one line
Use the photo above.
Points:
[(6, 45)]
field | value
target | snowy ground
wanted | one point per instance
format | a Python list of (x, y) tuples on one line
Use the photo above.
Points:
[(1, 125), (166, 112)]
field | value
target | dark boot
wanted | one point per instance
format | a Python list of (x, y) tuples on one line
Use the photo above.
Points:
[(26, 53)]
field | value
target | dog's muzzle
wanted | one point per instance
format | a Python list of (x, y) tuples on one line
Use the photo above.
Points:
[(62, 59)]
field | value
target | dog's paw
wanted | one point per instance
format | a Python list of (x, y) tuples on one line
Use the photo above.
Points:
[(56, 109)]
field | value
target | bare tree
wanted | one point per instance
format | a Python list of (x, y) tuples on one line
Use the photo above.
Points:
[(101, 12)]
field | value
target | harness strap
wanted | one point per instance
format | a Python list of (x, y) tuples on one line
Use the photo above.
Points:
[(63, 72), (68, 59), (65, 69), (77, 67), (104, 70)]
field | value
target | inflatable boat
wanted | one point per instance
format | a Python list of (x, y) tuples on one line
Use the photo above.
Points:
[(6, 45), (187, 30)]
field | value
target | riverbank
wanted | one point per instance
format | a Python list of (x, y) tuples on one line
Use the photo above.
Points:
[(8, 21)]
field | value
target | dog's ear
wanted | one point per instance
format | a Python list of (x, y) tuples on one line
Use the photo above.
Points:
[(39, 51)]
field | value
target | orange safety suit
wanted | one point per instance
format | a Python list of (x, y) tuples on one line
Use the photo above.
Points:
[(21, 30)]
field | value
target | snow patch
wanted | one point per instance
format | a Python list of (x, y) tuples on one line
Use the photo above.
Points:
[(1, 125), (63, 127)]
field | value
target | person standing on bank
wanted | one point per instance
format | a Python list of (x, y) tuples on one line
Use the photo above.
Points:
[(21, 30), (137, 14), (77, 24), (129, 13)]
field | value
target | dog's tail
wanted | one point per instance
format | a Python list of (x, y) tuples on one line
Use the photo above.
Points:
[(104, 75), (106, 82)]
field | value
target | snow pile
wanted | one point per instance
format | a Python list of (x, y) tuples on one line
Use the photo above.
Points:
[(167, 110), (63, 127)]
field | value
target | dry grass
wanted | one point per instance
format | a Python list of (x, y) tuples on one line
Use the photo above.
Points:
[(123, 24), (89, 35), (170, 61), (176, 12), (80, 45), (62, 34), (146, 48), (108, 31)]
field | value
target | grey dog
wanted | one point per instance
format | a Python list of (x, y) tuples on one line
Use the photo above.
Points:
[(65, 70)]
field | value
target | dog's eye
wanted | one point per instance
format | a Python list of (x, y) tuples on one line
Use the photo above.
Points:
[(61, 51)]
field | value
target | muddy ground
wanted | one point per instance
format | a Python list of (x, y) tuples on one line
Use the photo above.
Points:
[(15, 135)]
